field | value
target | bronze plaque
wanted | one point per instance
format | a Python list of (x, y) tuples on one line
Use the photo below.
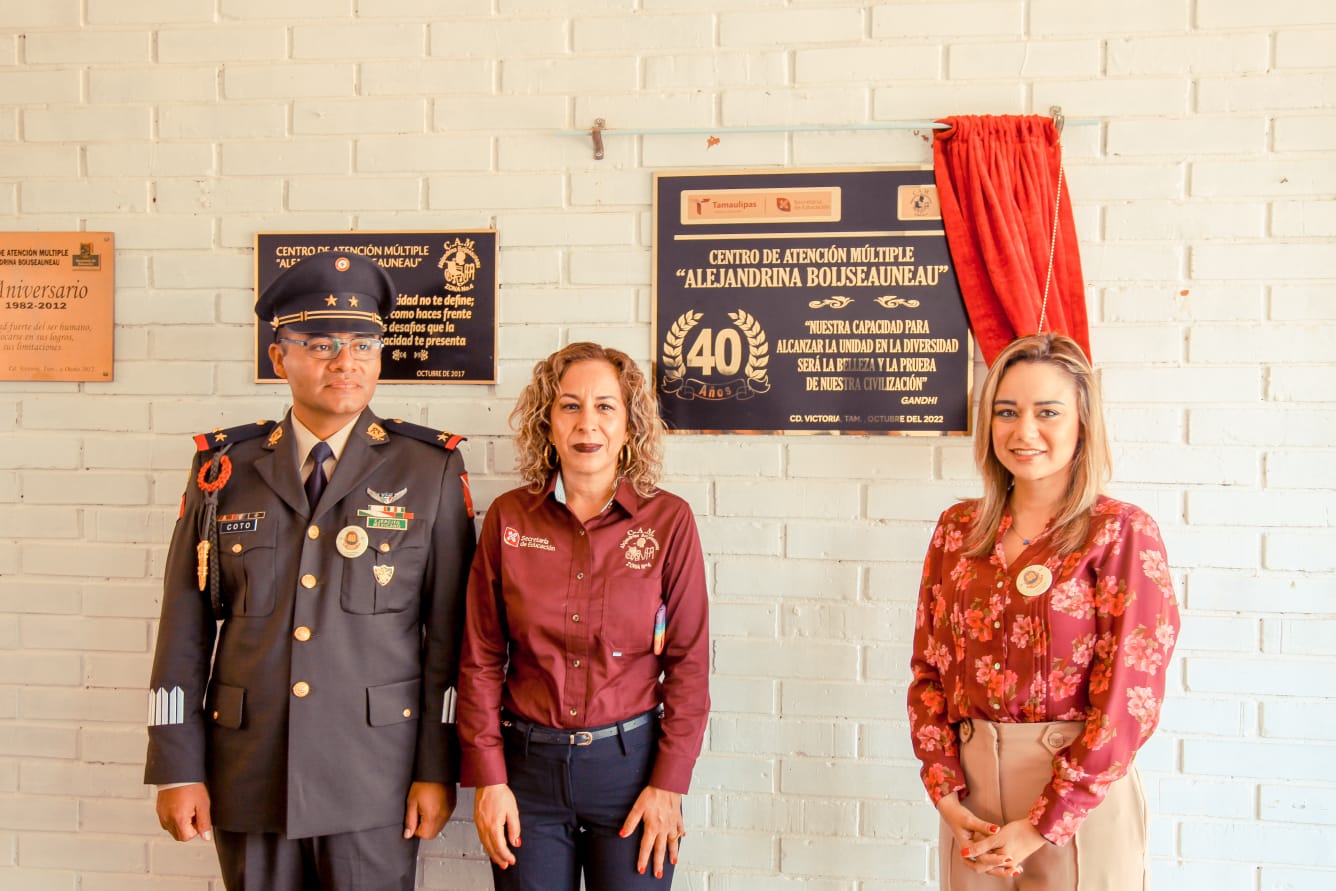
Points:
[(57, 302)]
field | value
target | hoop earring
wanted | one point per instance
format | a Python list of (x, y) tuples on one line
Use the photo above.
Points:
[(624, 456), (550, 456)]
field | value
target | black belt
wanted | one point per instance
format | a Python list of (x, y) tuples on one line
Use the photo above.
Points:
[(535, 733)]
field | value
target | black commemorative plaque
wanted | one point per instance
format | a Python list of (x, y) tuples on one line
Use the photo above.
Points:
[(443, 329), (807, 301)]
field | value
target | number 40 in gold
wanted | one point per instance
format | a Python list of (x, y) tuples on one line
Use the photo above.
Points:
[(712, 352)]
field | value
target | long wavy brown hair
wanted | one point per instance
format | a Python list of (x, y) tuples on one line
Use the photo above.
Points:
[(641, 462), (1091, 465)]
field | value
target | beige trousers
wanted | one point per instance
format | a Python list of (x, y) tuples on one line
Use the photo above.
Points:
[(1007, 766)]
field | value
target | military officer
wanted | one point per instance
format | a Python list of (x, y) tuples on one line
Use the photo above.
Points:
[(325, 556)]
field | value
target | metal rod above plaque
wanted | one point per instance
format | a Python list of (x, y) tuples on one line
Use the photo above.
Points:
[(443, 328), (807, 301)]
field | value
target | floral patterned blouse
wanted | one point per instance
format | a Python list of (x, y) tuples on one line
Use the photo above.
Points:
[(1093, 646)]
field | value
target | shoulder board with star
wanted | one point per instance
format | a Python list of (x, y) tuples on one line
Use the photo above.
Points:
[(447, 441), (219, 437)]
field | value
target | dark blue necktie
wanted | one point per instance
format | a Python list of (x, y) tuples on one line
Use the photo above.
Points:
[(315, 483)]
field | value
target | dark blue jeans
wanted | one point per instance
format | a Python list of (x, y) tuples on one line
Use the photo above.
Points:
[(572, 802)]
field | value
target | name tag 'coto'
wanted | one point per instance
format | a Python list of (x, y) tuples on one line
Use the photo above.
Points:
[(234, 523)]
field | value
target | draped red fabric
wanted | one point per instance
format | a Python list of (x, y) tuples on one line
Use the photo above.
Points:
[(997, 177)]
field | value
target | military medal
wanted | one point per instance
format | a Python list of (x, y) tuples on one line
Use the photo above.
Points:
[(1034, 580), (352, 541), (382, 573)]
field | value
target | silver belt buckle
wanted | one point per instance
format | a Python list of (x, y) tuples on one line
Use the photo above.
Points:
[(582, 738)]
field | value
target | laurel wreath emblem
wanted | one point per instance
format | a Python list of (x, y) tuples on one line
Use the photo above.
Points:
[(674, 367), (758, 352)]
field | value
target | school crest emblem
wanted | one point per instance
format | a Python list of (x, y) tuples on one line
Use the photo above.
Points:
[(640, 547)]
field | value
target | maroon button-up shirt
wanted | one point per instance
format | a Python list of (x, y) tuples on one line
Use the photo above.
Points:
[(560, 626)]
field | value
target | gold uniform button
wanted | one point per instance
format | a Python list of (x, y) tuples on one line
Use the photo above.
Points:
[(308, 581), (302, 633), (574, 713), (408, 713), (313, 532), (215, 716), (236, 548), (384, 547), (575, 618), (301, 689)]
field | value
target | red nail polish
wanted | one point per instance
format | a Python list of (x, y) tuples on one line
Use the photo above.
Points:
[(641, 870), (993, 829), (964, 852)]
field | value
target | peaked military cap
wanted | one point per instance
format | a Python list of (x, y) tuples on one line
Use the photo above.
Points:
[(329, 292)]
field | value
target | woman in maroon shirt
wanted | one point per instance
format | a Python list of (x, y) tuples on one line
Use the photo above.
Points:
[(1045, 623), (584, 684)]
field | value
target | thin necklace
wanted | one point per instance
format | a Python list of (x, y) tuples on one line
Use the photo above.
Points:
[(1024, 541)]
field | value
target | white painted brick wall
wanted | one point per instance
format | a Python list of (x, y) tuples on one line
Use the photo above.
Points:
[(1203, 198)]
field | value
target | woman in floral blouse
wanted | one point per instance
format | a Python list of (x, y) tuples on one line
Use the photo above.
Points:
[(1046, 619)]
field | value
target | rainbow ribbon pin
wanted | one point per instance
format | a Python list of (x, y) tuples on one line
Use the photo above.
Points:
[(660, 626)]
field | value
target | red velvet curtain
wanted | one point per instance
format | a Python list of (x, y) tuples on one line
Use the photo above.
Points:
[(997, 177)]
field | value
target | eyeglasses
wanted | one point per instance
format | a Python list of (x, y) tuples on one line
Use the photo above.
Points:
[(324, 347)]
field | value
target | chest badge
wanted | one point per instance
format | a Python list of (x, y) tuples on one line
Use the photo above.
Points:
[(382, 573), (387, 497), (352, 541), (641, 547), (382, 516), (230, 524), (1034, 580)]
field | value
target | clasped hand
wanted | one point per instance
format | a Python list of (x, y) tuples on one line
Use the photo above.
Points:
[(987, 847)]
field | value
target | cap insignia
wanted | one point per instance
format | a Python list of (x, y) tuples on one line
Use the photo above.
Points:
[(331, 300), (342, 264), (352, 301)]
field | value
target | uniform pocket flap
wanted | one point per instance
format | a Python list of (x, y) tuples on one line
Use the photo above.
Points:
[(393, 703), (227, 706)]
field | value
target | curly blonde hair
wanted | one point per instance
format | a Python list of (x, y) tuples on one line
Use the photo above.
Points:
[(1091, 465), (641, 462)]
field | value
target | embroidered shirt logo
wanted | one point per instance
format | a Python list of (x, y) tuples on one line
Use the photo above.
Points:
[(641, 548), (512, 537)]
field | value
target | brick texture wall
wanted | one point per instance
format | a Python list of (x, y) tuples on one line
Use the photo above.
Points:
[(1204, 186)]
